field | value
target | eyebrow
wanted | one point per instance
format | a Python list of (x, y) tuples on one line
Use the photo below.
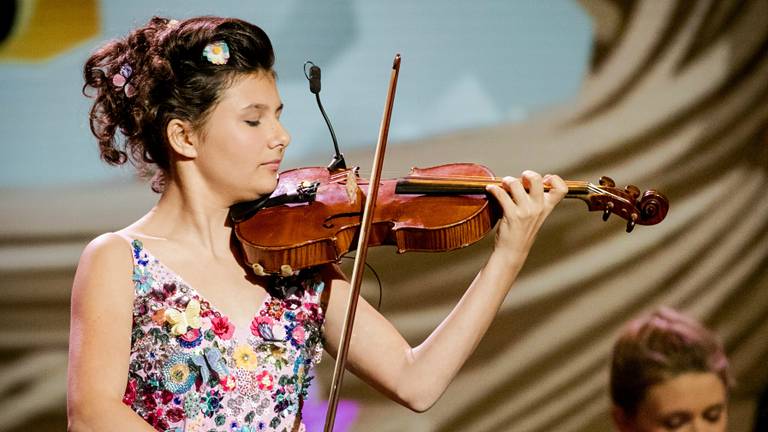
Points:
[(262, 107)]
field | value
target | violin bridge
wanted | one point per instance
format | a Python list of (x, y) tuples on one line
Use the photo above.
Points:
[(351, 186)]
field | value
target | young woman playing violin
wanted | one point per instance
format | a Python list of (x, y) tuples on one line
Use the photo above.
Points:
[(170, 329)]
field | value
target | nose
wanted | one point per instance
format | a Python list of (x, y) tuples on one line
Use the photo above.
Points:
[(701, 425), (280, 136)]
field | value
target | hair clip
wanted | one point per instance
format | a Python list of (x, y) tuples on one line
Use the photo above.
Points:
[(120, 80), (217, 52)]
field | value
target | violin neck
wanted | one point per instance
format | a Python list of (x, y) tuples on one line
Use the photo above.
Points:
[(470, 186)]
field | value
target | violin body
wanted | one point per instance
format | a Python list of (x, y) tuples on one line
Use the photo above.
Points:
[(324, 229)]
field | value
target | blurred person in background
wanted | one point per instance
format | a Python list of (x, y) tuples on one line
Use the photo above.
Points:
[(669, 373)]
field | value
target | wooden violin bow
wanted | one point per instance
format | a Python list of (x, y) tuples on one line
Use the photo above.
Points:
[(362, 250)]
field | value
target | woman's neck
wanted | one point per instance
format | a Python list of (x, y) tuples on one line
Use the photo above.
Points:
[(196, 220)]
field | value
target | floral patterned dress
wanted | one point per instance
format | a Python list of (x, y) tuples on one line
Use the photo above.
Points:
[(190, 372)]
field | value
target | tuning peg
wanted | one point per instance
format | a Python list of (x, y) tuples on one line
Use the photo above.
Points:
[(607, 211), (607, 181), (631, 223), (633, 191)]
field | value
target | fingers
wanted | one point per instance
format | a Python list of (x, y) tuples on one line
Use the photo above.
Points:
[(515, 199), (516, 190), (557, 187), (525, 207), (527, 192), (502, 194), (534, 184)]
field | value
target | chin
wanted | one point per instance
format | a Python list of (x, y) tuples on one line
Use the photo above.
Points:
[(264, 189), (259, 187)]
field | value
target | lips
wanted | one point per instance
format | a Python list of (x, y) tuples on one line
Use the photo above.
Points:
[(275, 164)]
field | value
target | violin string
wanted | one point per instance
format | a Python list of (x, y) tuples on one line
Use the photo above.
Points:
[(493, 179), (476, 178), (479, 178), (601, 191), (487, 180)]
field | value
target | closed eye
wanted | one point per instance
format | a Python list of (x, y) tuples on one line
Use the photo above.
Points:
[(252, 123), (713, 413), (675, 420)]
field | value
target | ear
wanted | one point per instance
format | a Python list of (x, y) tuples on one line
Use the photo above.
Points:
[(622, 421), (182, 138)]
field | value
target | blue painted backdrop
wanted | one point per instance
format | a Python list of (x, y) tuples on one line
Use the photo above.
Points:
[(464, 64)]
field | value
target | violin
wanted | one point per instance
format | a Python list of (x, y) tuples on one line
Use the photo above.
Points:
[(316, 215)]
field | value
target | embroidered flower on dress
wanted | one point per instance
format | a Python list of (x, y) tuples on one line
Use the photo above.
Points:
[(222, 327), (211, 403), (177, 374), (191, 338), (142, 279), (275, 309), (245, 358), (265, 380), (228, 382), (297, 335)]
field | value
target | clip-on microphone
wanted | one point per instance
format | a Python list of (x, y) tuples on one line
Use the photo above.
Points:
[(337, 163)]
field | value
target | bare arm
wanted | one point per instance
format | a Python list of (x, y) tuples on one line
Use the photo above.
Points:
[(100, 339), (416, 377)]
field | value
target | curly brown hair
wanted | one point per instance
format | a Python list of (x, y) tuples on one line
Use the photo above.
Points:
[(658, 347), (171, 79)]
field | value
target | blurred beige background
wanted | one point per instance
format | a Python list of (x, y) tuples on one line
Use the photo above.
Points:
[(675, 98)]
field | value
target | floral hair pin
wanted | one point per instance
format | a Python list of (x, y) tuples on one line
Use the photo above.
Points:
[(120, 80), (217, 52)]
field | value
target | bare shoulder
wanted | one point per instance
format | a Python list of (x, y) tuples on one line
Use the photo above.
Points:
[(106, 264), (106, 247)]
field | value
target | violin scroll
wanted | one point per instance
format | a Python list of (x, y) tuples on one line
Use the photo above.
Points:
[(646, 208), (653, 207)]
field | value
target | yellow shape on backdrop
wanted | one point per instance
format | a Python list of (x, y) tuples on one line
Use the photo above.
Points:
[(45, 28)]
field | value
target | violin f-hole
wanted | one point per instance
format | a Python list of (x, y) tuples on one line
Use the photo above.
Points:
[(327, 222)]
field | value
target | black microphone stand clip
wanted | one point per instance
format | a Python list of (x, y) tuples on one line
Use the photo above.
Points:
[(313, 76)]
